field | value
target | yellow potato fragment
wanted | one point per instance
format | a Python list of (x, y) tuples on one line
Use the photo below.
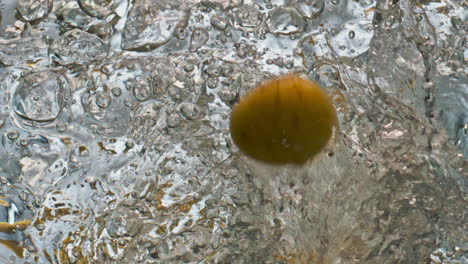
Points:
[(4, 203), (13, 246), (13, 228), (10, 229)]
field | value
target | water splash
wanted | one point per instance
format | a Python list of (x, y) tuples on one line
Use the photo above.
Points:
[(115, 147)]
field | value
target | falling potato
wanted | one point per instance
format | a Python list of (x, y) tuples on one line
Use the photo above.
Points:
[(287, 120)]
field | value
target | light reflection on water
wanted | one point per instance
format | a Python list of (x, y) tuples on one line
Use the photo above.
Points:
[(115, 147)]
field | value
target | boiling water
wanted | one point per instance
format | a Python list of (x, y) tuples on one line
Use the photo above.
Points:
[(115, 147)]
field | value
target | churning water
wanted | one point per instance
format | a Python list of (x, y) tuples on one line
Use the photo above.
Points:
[(115, 148)]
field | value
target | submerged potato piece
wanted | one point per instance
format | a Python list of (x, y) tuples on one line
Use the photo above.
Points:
[(13, 246), (13, 228), (283, 121)]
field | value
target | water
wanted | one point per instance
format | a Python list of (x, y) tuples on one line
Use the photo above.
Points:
[(115, 147)]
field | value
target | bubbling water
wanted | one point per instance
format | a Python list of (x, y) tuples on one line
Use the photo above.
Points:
[(115, 143)]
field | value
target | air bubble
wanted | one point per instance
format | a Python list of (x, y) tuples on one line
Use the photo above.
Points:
[(103, 100), (98, 8), (116, 91), (141, 89), (199, 38), (12, 135), (213, 70), (285, 21), (218, 22), (24, 142), (128, 102), (33, 10), (173, 120), (39, 96), (190, 111), (40, 227), (189, 67), (61, 127), (212, 83), (129, 144)]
